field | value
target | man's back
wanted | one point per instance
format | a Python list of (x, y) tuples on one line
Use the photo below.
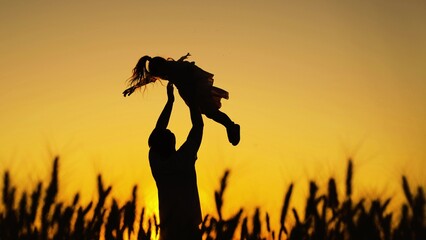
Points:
[(178, 197)]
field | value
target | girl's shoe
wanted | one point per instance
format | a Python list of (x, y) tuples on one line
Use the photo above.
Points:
[(233, 134)]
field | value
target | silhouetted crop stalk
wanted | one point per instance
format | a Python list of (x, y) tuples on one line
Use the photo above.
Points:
[(130, 213), (112, 226), (206, 227), (300, 229), (102, 194), (6, 191), (284, 211), (407, 191), (223, 229), (80, 228), (218, 195), (349, 175), (9, 228), (23, 213), (144, 234), (257, 225), (271, 232), (311, 206), (226, 229), (268, 224), (332, 197), (35, 200), (95, 224), (244, 230), (157, 225), (49, 199), (66, 222)]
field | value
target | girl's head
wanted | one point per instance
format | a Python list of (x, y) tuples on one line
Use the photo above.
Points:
[(158, 67), (148, 70)]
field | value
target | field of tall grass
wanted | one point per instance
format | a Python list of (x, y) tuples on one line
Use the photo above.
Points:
[(39, 215)]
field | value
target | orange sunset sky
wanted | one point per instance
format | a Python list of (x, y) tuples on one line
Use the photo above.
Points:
[(311, 83)]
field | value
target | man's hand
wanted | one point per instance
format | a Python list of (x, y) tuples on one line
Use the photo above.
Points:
[(129, 91), (170, 94)]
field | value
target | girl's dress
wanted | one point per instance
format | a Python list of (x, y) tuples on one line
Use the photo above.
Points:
[(191, 80)]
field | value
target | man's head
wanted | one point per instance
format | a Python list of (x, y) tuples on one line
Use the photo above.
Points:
[(162, 140)]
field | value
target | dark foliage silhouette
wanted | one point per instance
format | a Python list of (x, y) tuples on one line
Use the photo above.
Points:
[(39, 215)]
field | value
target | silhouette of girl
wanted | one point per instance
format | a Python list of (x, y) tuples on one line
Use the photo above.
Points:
[(194, 85)]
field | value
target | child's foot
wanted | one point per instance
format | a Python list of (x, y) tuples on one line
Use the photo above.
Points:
[(233, 134)]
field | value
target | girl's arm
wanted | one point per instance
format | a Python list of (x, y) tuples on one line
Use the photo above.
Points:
[(131, 89), (163, 119), (181, 59)]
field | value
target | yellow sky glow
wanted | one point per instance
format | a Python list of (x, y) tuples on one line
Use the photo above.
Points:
[(311, 84)]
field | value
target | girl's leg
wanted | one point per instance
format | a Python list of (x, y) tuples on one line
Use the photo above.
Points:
[(220, 117), (232, 129)]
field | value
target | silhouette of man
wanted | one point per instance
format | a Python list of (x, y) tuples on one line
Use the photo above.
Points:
[(175, 176)]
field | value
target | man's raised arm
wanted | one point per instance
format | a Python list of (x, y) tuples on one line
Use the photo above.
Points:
[(163, 119), (196, 133)]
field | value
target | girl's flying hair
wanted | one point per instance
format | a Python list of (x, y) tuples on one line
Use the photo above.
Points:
[(141, 75)]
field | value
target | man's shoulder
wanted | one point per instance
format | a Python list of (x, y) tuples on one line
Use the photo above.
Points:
[(188, 147)]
